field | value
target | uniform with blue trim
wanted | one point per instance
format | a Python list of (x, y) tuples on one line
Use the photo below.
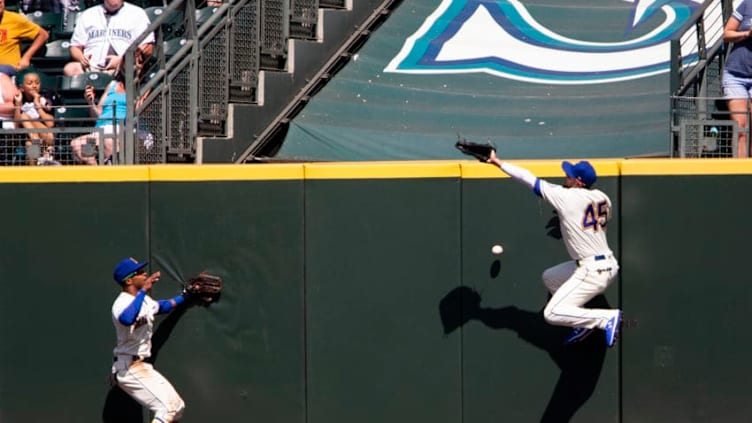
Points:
[(133, 316), (583, 214)]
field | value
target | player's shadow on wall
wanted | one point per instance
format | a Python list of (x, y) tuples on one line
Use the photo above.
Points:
[(119, 407), (580, 363)]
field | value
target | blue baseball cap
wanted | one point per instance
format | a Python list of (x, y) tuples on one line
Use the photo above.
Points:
[(583, 171), (126, 268)]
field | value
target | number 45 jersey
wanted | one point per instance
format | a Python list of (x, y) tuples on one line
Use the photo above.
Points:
[(583, 216)]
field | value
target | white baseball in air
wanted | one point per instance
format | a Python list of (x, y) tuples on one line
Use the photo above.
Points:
[(497, 249)]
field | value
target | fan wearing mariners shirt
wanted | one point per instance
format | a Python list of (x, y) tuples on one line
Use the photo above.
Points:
[(133, 316), (102, 35), (583, 215)]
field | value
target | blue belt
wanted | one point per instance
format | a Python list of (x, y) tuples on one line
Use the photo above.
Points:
[(133, 358), (596, 258)]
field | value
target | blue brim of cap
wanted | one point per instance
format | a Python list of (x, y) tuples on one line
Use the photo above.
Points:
[(568, 169), (134, 270)]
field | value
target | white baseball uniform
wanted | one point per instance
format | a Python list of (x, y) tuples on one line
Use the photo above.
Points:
[(135, 376), (101, 34), (583, 216)]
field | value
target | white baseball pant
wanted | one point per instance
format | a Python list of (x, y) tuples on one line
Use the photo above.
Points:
[(572, 286), (141, 381)]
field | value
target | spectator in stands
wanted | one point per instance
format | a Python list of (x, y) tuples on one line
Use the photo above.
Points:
[(737, 76), (8, 92), (103, 33), (33, 110), (109, 112), (51, 6), (14, 28)]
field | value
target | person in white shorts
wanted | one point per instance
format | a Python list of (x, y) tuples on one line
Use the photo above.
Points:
[(133, 316), (583, 214)]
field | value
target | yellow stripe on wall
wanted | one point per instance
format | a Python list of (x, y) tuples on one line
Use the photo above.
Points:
[(382, 170), (686, 167), (255, 172), (68, 174), (360, 170)]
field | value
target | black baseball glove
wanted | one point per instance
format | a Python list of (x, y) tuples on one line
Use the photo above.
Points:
[(204, 287), (480, 151)]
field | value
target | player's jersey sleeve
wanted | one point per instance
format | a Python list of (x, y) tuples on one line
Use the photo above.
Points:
[(120, 304), (556, 195)]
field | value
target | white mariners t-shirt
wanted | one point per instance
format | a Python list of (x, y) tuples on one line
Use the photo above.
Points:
[(97, 34), (583, 215), (136, 338)]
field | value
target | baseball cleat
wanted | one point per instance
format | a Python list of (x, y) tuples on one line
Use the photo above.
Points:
[(577, 335), (612, 329)]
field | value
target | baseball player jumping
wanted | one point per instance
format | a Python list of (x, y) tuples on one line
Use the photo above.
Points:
[(133, 316), (583, 215)]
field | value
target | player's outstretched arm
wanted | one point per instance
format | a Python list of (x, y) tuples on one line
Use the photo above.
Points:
[(517, 173), (165, 306)]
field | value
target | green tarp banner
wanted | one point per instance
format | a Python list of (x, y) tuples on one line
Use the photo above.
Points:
[(583, 78)]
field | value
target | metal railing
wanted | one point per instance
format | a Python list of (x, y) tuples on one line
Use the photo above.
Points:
[(185, 89), (701, 125), (22, 146)]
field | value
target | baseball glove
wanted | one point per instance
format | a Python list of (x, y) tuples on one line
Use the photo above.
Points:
[(480, 151), (203, 287)]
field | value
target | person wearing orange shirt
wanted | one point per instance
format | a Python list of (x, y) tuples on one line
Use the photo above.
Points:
[(14, 28)]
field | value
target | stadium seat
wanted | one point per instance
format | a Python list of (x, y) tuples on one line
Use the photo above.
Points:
[(54, 56), (98, 80), (67, 26), (154, 12), (171, 26), (58, 50), (73, 116), (203, 15), (72, 87), (52, 22), (172, 46)]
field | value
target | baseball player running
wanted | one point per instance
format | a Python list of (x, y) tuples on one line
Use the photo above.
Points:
[(583, 215), (133, 316)]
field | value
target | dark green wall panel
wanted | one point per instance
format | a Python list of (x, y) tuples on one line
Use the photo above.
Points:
[(685, 285), (336, 290), (380, 255), (241, 358), (60, 244), (515, 367)]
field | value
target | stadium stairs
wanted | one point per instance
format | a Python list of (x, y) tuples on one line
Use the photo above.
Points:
[(316, 50)]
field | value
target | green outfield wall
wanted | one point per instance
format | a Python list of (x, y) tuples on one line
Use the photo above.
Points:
[(368, 292)]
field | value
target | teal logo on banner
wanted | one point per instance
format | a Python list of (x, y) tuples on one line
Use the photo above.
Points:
[(502, 38)]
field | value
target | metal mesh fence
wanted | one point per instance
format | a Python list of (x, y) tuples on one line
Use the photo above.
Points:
[(274, 33), (303, 19), (149, 131), (244, 42), (21, 145), (179, 112), (214, 86), (703, 127)]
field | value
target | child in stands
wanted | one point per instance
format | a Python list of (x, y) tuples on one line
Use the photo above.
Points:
[(33, 110)]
